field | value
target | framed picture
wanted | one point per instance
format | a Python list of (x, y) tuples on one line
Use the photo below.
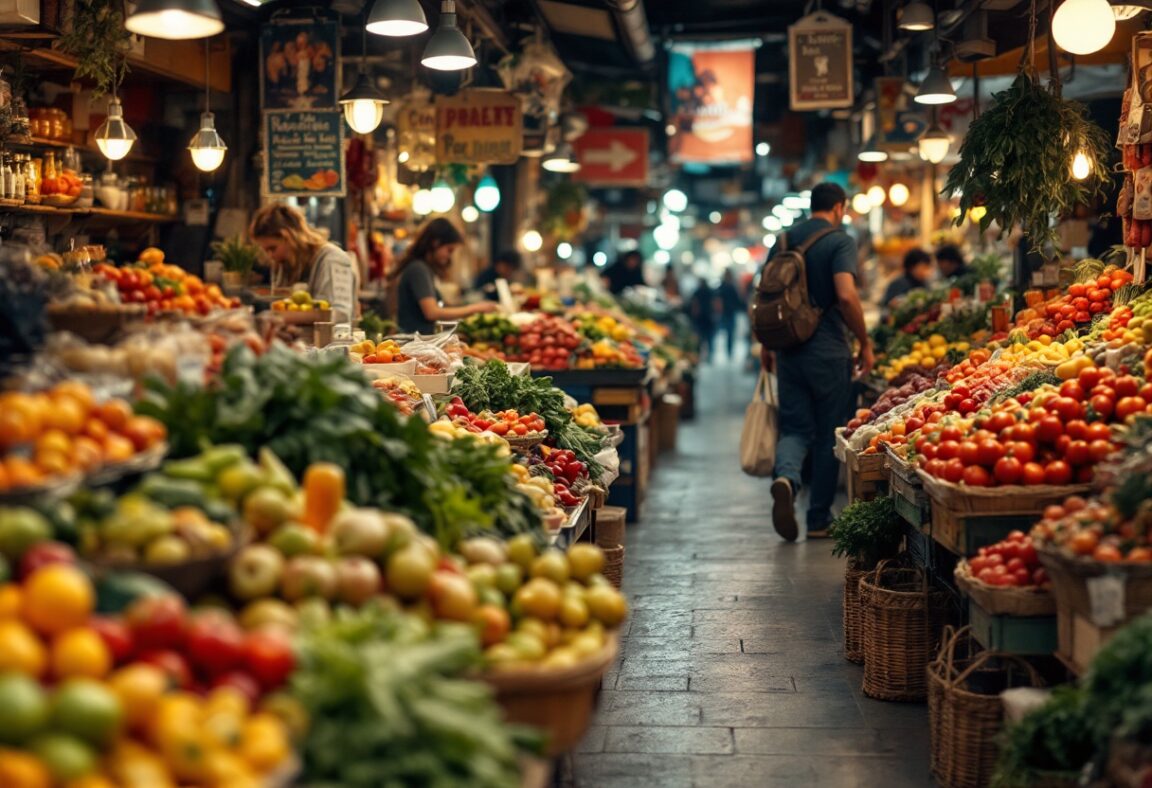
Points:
[(299, 65)]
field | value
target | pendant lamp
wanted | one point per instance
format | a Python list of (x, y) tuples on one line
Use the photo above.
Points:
[(936, 88), (364, 103), (487, 196), (448, 49), (1083, 26), (562, 159), (175, 19), (115, 137), (933, 144), (207, 147), (871, 152), (397, 18), (916, 17)]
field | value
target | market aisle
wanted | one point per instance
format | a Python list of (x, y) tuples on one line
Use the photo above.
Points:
[(731, 671)]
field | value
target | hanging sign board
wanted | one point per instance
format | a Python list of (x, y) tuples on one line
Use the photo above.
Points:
[(712, 89), (820, 63), (298, 65), (613, 157), (304, 154), (479, 126)]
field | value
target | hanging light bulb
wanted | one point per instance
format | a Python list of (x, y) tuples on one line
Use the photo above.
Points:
[(532, 241), (898, 194), (561, 159), (176, 20), (916, 16), (1083, 26), (871, 152), (487, 196), (364, 103), (936, 88), (422, 202), (443, 198), (448, 49), (933, 144), (469, 213), (861, 204), (115, 137), (675, 200), (397, 18), (1081, 166), (564, 250), (207, 146), (876, 196)]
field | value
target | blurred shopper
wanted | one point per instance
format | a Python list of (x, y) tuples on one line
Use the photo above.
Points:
[(627, 271), (815, 378), (671, 287), (950, 261), (729, 306), (505, 265), (917, 273), (701, 311)]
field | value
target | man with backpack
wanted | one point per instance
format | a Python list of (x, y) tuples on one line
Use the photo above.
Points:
[(805, 311)]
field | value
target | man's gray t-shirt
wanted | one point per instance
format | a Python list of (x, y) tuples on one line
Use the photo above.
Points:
[(416, 282), (833, 254)]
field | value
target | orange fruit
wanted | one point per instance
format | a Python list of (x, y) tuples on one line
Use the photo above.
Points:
[(54, 440), (118, 448), (11, 601), (140, 688), (21, 651), (53, 463), (57, 598), (19, 418), (80, 652), (95, 429), (144, 432), (22, 472), (18, 769), (5, 482), (87, 453), (91, 781), (66, 413), (77, 391), (115, 413)]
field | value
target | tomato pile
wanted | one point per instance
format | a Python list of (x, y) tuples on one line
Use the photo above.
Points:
[(566, 471), (165, 288), (1076, 307), (508, 423), (547, 343), (1010, 562), (1094, 529)]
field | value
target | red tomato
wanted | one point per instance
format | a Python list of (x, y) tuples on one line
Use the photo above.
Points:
[(1098, 431), (1028, 554), (1016, 535), (967, 406), (1077, 290), (1024, 432), (1072, 389), (269, 657), (978, 564), (173, 665), (1033, 473), (927, 449), (157, 622), (954, 470), (969, 453), (988, 451), (950, 433), (1022, 450), (1078, 453), (975, 476), (1058, 472), (1100, 450), (1008, 470), (215, 643), (1128, 406), (1022, 576), (1089, 377), (1014, 563), (242, 682), (1048, 429), (1066, 408), (116, 636), (1000, 422), (1076, 430), (935, 468), (948, 449), (1126, 386)]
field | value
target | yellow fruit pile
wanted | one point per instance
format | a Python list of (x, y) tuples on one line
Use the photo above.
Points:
[(586, 416), (299, 301), (925, 354)]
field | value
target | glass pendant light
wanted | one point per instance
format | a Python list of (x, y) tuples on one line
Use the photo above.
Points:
[(175, 19), (561, 159), (448, 49), (397, 18), (532, 241), (936, 88), (443, 198), (207, 147), (933, 144), (916, 17), (422, 202), (487, 196), (364, 103), (115, 137), (871, 152), (898, 194), (1083, 26), (1081, 166)]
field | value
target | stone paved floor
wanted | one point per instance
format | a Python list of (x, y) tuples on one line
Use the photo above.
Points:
[(731, 670)]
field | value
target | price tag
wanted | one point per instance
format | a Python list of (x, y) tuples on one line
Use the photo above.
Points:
[(1106, 597), (504, 293)]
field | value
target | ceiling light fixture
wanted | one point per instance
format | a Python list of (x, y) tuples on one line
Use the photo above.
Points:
[(469, 213), (443, 198), (916, 17), (933, 144), (422, 202), (871, 152), (115, 137), (397, 18), (876, 196), (176, 20), (364, 103), (1083, 26), (861, 204), (448, 49), (532, 241), (898, 194), (562, 159), (207, 146), (936, 88), (487, 195)]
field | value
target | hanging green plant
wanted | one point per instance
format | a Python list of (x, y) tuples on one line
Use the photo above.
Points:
[(562, 216), (1016, 160), (99, 41)]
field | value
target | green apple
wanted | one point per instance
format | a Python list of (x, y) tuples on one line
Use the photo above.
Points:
[(293, 539), (167, 550), (20, 528)]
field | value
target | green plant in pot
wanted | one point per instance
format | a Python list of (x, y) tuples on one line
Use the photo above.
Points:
[(238, 259), (867, 532)]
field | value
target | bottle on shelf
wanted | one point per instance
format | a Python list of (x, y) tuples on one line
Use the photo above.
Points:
[(19, 184), (31, 179), (7, 183)]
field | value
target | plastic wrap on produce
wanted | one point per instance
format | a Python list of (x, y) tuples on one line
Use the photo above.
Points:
[(609, 459)]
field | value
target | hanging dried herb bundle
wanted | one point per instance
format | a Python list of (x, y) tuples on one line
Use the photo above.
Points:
[(1016, 160), (99, 41)]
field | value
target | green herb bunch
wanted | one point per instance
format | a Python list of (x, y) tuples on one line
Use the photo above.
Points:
[(1016, 160), (236, 255), (389, 707), (99, 42), (1057, 737), (867, 531), (1120, 672)]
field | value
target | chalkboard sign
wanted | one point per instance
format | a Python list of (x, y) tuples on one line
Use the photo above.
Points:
[(304, 154), (820, 63)]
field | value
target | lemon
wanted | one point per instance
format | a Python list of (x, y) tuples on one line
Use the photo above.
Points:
[(301, 297)]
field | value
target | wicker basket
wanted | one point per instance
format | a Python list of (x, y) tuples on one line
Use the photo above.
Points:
[(558, 701), (1006, 601), (610, 526), (990, 501), (899, 632), (965, 713), (853, 614), (614, 565)]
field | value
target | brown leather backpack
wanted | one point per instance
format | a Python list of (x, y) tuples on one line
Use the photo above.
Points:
[(782, 315)]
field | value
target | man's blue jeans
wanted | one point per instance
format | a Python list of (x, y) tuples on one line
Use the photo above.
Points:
[(815, 394)]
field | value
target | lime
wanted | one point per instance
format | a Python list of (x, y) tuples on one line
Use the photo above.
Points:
[(23, 708), (87, 709), (66, 757)]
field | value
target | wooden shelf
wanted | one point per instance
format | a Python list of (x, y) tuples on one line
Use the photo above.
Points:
[(84, 213)]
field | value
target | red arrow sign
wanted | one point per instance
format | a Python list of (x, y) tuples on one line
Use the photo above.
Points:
[(615, 157)]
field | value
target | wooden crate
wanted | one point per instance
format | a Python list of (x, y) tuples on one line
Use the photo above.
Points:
[(1034, 635), (1093, 601), (907, 490), (867, 475), (964, 533)]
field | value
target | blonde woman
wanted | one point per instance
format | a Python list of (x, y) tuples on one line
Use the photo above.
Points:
[(299, 253)]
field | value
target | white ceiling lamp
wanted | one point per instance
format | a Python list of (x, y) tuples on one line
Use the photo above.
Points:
[(861, 204), (443, 198), (364, 103), (876, 196), (562, 159), (1083, 26), (176, 20), (487, 195), (871, 152), (675, 200), (422, 202), (916, 17), (763, 149), (397, 18), (469, 213), (898, 194), (207, 146), (532, 241), (448, 49), (115, 137), (1081, 165), (936, 88), (933, 144), (564, 250)]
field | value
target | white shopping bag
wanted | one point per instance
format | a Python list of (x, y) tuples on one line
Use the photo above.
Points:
[(758, 440)]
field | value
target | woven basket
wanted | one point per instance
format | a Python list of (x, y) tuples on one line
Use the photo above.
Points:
[(1004, 601), (990, 501), (614, 565), (899, 632), (964, 723), (853, 614), (610, 526)]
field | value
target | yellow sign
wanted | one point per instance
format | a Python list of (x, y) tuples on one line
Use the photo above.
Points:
[(479, 126), (416, 134)]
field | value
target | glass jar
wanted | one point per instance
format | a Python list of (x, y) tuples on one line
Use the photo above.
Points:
[(87, 193)]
